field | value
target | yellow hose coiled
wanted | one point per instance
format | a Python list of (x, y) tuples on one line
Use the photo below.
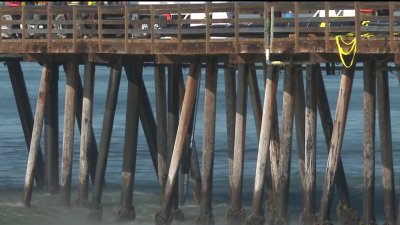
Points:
[(352, 50)]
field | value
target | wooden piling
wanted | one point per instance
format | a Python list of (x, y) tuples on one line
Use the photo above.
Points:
[(397, 66), (127, 211), (336, 142), (274, 149), (236, 214), (327, 125), (254, 90), (255, 98), (173, 108), (273, 155), (257, 217), (51, 134), (185, 168), (186, 160), (93, 152), (257, 113), (369, 142), (299, 114), (163, 216), (386, 142), (195, 174), (68, 137), (173, 120), (230, 105), (86, 134), (108, 121), (148, 123), (161, 114), (25, 114), (206, 215), (283, 179), (190, 145), (36, 132), (268, 178), (308, 215)]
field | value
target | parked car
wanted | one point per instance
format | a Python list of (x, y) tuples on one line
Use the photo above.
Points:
[(6, 33)]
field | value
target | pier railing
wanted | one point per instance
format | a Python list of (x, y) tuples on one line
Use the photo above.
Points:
[(230, 28)]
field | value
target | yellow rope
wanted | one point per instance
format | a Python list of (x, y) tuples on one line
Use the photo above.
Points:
[(352, 50)]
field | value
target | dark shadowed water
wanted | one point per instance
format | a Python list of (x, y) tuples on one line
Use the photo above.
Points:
[(46, 210)]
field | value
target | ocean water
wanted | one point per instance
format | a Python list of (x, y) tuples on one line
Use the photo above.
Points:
[(46, 208)]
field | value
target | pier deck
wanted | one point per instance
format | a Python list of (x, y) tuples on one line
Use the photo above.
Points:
[(246, 29)]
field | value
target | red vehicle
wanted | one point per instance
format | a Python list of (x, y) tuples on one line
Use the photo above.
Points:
[(9, 34), (13, 3)]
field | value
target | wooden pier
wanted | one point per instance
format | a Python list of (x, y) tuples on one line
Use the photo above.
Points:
[(252, 34)]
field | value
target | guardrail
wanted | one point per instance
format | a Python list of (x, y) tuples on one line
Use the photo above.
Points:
[(264, 22)]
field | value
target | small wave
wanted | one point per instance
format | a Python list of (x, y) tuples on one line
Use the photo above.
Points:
[(11, 204)]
